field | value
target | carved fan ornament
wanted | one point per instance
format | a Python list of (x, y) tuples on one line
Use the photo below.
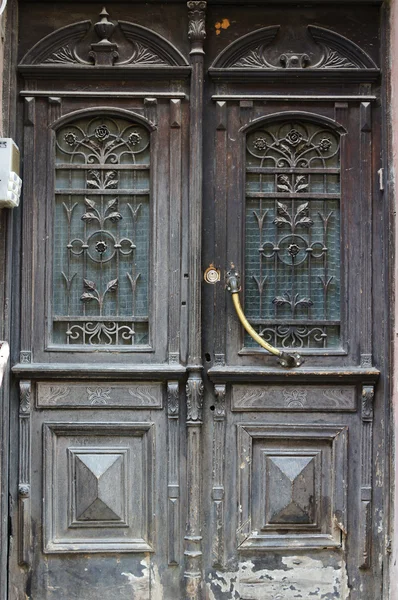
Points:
[(104, 44), (254, 51)]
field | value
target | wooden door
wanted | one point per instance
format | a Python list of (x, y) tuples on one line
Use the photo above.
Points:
[(162, 453)]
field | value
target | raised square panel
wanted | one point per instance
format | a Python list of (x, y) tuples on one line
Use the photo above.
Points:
[(292, 486), (292, 489), (98, 487)]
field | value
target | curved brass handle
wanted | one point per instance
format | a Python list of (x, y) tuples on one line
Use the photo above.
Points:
[(233, 286)]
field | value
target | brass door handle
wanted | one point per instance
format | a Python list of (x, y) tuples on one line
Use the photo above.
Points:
[(233, 286)]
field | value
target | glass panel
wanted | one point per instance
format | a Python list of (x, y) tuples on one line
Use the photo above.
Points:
[(101, 233), (292, 252)]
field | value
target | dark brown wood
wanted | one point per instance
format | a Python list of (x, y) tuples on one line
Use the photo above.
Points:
[(198, 467)]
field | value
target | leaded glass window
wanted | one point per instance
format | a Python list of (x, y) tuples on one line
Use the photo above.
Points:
[(292, 246), (101, 233)]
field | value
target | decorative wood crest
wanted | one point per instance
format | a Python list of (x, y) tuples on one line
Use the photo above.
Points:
[(197, 28), (258, 50), (104, 44)]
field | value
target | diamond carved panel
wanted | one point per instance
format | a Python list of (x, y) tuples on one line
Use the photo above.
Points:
[(98, 487), (291, 490), (292, 486)]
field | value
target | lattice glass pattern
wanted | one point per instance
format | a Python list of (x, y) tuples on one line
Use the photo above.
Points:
[(292, 242), (101, 233)]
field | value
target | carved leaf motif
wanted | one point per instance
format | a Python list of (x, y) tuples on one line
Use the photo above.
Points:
[(63, 56), (111, 181), (255, 59), (144, 56), (280, 301), (89, 285), (282, 210), (335, 60), (87, 297), (302, 209), (112, 285), (305, 222), (88, 217), (305, 302), (114, 217), (301, 183), (90, 203), (95, 181)]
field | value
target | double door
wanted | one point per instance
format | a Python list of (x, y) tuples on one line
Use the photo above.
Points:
[(163, 453)]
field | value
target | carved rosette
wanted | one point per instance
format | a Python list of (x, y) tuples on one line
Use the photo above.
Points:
[(194, 391), (196, 27)]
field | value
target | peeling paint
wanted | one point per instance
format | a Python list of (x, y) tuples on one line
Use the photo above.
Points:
[(147, 584), (295, 577)]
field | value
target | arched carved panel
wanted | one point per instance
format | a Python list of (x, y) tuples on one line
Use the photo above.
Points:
[(261, 51), (106, 43)]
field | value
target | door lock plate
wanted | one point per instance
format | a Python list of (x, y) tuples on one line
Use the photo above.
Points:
[(212, 275)]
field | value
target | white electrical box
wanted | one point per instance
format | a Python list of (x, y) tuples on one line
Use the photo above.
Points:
[(10, 181)]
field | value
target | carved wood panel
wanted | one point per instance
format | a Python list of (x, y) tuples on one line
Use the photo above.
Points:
[(98, 487), (288, 476)]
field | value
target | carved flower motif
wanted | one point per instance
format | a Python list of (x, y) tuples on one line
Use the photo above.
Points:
[(293, 249), (101, 247), (260, 143), (134, 138), (294, 137), (70, 138), (324, 145), (102, 133)]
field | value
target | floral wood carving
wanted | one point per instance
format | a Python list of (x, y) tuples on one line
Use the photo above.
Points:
[(196, 29), (104, 44)]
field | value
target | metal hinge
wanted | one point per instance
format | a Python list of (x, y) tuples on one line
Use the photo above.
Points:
[(380, 173)]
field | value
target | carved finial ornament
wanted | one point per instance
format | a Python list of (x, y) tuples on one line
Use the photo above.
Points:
[(196, 28), (104, 52)]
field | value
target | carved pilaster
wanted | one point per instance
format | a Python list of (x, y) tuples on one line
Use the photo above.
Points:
[(366, 477), (218, 533), (196, 34), (173, 479), (24, 533), (193, 537)]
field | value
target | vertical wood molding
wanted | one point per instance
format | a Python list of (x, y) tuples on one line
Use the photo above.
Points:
[(175, 229), (218, 492), (173, 483), (366, 232), (24, 533), (196, 34), (194, 388), (365, 519), (27, 225), (220, 225), (193, 537)]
